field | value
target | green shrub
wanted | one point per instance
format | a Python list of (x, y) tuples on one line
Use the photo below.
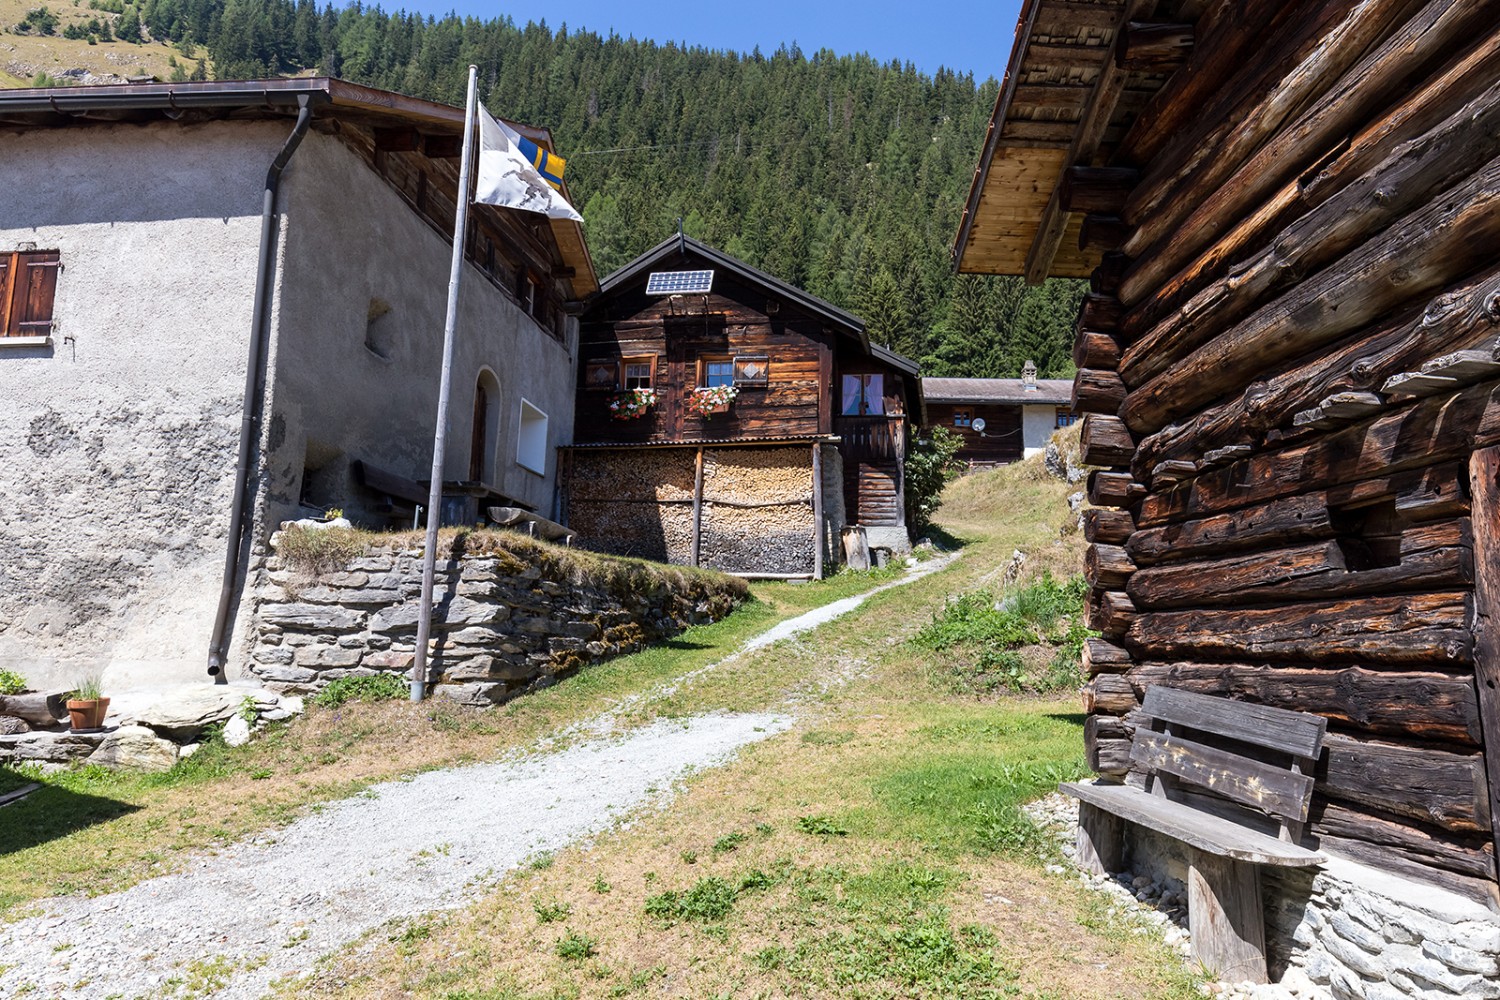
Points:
[(377, 687), (551, 913), (709, 899), (821, 826), (40, 20), (11, 682), (576, 947), (930, 464)]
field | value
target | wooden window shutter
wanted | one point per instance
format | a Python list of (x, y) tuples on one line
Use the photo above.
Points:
[(7, 274), (33, 286)]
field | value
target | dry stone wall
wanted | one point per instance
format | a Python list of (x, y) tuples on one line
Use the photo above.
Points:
[(504, 622)]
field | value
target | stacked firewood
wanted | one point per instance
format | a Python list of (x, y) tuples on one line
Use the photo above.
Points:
[(1288, 369)]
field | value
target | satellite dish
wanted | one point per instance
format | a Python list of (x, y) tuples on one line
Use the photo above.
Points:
[(978, 425)]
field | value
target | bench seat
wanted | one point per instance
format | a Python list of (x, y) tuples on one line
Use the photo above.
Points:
[(1205, 831)]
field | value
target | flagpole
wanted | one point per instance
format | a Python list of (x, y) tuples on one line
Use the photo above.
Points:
[(440, 436)]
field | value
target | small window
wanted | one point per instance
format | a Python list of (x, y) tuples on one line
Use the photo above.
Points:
[(601, 373), (716, 372), (531, 440), (864, 395), (637, 373), (752, 372), (28, 283), (963, 418), (1065, 418)]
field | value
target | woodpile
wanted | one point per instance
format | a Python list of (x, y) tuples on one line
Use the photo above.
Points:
[(1291, 377)]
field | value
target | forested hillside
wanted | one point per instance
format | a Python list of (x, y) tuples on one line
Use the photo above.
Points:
[(837, 173)]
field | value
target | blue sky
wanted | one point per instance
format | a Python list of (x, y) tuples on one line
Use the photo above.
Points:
[(970, 35)]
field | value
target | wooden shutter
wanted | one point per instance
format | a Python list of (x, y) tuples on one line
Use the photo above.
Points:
[(7, 274), (33, 285)]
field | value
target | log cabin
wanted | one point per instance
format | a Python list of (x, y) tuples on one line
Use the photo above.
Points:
[(1287, 365), (229, 296), (742, 425), (1000, 420)]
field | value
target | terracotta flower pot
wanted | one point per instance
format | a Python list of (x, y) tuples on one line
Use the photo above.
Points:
[(87, 714)]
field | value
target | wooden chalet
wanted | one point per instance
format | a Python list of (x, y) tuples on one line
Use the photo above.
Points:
[(1000, 420), (1289, 212), (813, 441)]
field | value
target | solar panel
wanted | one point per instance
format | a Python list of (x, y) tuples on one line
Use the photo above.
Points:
[(679, 283)]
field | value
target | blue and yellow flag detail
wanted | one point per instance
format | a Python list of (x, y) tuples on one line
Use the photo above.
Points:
[(549, 165)]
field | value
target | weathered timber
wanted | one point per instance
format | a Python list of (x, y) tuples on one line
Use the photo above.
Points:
[(1240, 779), (1440, 787), (1103, 524), (1106, 744), (1294, 519), (1350, 406), (1101, 840), (1370, 836), (1110, 693), (1431, 557), (1095, 189), (1097, 391), (1102, 657), (1225, 917), (1435, 245), (1105, 279), (1484, 472), (1408, 629), (1445, 374), (1099, 351), (1173, 471), (1107, 566), (1409, 177), (1100, 312), (1214, 457), (1109, 612), (36, 707), (1102, 232), (1153, 47), (1424, 705), (1261, 154), (1432, 431), (1462, 315), (1114, 489), (1282, 730), (1106, 440)]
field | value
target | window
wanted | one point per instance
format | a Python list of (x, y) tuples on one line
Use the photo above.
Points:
[(715, 372), (601, 373), (531, 440), (485, 431), (1065, 417), (963, 418), (752, 372), (863, 395), (28, 282), (637, 373)]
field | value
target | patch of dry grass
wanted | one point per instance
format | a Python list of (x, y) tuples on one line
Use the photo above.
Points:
[(23, 56)]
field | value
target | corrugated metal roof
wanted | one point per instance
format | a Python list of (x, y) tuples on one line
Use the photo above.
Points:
[(1048, 391), (701, 442)]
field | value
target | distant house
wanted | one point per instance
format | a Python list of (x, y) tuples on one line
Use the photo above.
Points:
[(815, 437), (151, 312), (1016, 415)]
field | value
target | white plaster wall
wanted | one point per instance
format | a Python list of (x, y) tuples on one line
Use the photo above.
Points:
[(351, 238), (117, 443), (1037, 425)]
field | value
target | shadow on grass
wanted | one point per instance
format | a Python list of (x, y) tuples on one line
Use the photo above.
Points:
[(945, 539), (680, 643), (1071, 718), (50, 813)]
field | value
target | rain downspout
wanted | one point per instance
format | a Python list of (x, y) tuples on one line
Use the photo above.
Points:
[(254, 390)]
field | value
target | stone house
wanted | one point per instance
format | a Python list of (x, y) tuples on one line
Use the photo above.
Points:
[(182, 329), (814, 439), (1001, 420)]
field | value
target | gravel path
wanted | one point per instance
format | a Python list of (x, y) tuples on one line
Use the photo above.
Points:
[(269, 907)]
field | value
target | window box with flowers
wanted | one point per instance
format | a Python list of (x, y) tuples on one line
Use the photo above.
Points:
[(632, 404), (712, 400)]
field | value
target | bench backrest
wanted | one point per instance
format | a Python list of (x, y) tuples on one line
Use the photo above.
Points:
[(1283, 790)]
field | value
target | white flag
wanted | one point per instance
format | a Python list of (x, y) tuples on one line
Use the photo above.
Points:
[(507, 178)]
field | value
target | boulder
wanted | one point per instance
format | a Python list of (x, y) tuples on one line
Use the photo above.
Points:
[(237, 732), (135, 748), (11, 726), (183, 713)]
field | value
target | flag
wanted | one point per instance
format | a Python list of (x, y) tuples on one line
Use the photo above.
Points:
[(509, 179), (549, 165)]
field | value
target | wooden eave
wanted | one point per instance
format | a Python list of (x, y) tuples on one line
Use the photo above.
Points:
[(1063, 102), (333, 101)]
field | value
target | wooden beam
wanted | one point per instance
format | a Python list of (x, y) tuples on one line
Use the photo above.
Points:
[(1092, 123), (1484, 487), (1107, 233), (396, 140), (817, 492), (698, 509), (1153, 47), (442, 147), (1095, 189)]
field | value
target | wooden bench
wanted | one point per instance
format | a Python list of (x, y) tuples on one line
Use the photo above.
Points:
[(1232, 781)]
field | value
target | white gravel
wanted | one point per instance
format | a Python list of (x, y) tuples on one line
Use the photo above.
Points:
[(271, 906)]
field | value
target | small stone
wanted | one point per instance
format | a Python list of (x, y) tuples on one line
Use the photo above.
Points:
[(135, 748), (236, 732)]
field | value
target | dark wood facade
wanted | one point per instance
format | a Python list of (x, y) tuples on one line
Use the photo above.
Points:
[(1288, 365), (803, 370)]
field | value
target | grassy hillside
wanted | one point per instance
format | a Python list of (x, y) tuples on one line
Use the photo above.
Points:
[(23, 56)]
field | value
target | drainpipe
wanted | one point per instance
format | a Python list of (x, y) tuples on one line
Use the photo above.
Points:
[(254, 391)]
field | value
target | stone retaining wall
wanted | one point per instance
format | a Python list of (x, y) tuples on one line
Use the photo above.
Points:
[(509, 619)]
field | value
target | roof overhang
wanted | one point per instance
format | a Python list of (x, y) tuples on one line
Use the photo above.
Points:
[(330, 99)]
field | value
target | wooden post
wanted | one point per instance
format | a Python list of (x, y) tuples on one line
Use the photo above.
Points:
[(1225, 917), (817, 497), (698, 510), (1101, 840), (1484, 487)]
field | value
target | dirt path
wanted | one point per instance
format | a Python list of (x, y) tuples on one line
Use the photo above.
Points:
[(233, 923)]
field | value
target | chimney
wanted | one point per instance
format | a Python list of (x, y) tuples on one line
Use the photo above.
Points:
[(1028, 376)]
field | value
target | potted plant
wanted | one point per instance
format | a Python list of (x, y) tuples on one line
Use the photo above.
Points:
[(631, 404), (87, 706), (715, 399)]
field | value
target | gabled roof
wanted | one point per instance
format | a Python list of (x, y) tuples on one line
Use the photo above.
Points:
[(1005, 391), (681, 244), (237, 100)]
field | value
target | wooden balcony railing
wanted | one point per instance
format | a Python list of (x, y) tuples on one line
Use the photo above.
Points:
[(872, 438)]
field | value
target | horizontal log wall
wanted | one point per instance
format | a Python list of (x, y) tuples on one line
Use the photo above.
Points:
[(1281, 517)]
